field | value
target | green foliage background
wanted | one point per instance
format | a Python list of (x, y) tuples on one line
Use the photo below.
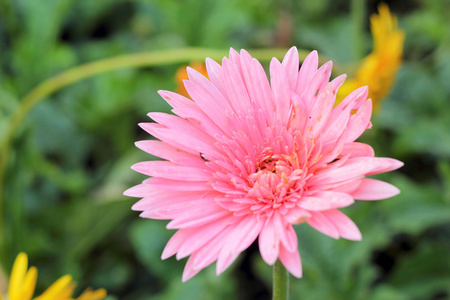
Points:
[(69, 160)]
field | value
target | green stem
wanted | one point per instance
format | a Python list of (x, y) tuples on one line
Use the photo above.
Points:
[(280, 282), (358, 14)]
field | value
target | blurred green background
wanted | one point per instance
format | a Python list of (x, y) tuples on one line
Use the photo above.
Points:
[(69, 159)]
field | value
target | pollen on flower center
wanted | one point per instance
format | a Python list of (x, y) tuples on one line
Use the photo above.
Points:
[(277, 179)]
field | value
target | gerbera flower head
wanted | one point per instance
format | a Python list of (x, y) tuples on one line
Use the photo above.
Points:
[(22, 284), (247, 159), (379, 68)]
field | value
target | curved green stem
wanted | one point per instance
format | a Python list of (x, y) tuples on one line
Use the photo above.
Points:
[(280, 282)]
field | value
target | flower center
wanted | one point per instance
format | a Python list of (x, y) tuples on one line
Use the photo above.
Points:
[(278, 179)]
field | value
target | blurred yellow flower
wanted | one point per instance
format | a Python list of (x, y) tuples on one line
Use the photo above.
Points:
[(182, 75), (23, 282), (379, 68)]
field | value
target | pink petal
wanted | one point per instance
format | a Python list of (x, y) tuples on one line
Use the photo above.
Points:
[(353, 168), (359, 122), (340, 115), (205, 255), (372, 189), (188, 109), (347, 229), (325, 200), (246, 60), (315, 87), (160, 199), (296, 215), (164, 184), (198, 218), (321, 223), (335, 126), (239, 239), (176, 100), (166, 151), (269, 243), (307, 70), (280, 90), (178, 127), (210, 89), (139, 190), (320, 78), (285, 232), (352, 100), (314, 204), (186, 142), (337, 83), (262, 90), (320, 111), (299, 115), (331, 151), (356, 149), (291, 64), (209, 252), (175, 242), (161, 132), (385, 165), (249, 229), (217, 111), (215, 74), (234, 58), (235, 88), (179, 210), (192, 239), (225, 262), (291, 261), (346, 187), (189, 271), (169, 170), (246, 65)]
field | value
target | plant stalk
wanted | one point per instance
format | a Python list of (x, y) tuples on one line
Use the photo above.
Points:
[(280, 282)]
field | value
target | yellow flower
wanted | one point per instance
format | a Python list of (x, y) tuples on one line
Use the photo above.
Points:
[(23, 282), (378, 69)]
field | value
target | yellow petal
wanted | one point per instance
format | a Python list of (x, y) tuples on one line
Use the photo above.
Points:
[(29, 284), (61, 289), (17, 276), (89, 294)]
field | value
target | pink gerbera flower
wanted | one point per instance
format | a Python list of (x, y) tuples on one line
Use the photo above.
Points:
[(246, 159)]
